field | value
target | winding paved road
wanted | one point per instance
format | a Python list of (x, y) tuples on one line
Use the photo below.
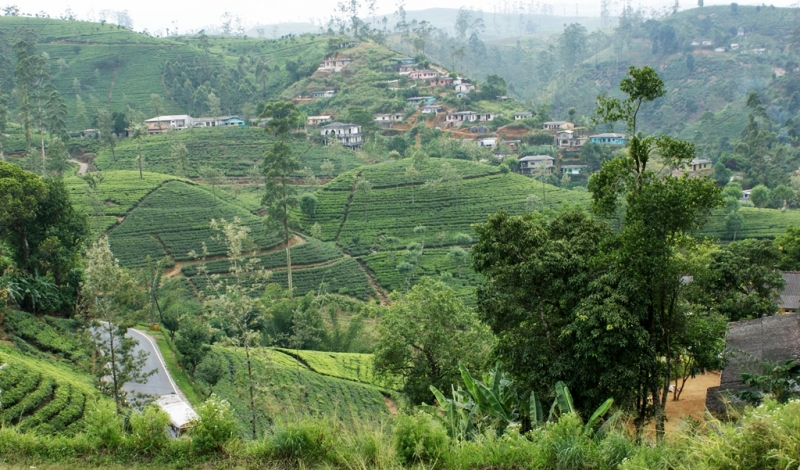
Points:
[(161, 382), (82, 167)]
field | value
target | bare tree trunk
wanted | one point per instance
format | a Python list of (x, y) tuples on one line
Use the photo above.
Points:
[(113, 367), (139, 151), (288, 255), (252, 391), (44, 155)]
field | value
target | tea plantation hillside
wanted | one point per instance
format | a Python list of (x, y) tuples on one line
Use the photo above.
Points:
[(116, 193), (174, 220), (111, 66), (37, 392), (446, 197), (288, 389), (233, 150)]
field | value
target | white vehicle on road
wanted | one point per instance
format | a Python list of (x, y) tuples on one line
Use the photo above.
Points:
[(181, 415)]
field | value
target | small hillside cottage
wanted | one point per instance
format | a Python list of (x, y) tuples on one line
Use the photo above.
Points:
[(573, 169), (335, 64), (469, 116), (317, 120), (421, 100), (323, 93), (522, 115), (465, 87), (431, 109), (423, 74), (177, 122), (536, 164), (701, 164), (609, 138), (348, 134), (557, 125)]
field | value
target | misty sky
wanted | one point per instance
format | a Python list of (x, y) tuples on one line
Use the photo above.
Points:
[(157, 15)]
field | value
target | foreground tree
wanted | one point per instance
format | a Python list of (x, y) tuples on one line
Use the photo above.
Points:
[(109, 292), (280, 196), (424, 335), (602, 308), (660, 215), (233, 300)]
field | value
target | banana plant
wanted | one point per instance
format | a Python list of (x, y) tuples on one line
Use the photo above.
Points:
[(495, 402)]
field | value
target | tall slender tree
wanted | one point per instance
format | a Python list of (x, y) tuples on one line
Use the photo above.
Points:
[(280, 196)]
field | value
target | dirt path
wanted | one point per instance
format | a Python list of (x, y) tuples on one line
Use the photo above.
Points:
[(373, 282), (391, 405), (692, 402), (347, 208), (82, 167), (176, 269)]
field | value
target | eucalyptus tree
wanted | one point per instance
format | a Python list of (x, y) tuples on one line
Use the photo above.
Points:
[(280, 195)]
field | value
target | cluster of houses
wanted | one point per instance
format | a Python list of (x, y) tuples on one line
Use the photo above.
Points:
[(160, 124)]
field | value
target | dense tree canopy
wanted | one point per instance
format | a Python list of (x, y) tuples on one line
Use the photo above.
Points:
[(44, 234), (423, 337)]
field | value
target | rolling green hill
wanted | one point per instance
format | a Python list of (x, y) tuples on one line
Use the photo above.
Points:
[(111, 66)]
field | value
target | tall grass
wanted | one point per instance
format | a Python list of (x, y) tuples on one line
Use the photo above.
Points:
[(767, 437)]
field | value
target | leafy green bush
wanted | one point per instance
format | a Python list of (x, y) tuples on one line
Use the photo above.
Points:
[(306, 441), (149, 430), (104, 426), (419, 439), (216, 426)]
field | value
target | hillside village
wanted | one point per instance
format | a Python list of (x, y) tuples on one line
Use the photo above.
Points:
[(402, 246)]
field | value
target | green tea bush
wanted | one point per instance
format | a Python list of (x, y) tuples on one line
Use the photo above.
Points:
[(149, 430), (419, 439), (216, 426)]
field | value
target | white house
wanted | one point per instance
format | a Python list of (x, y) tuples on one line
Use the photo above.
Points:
[(335, 64), (323, 93), (469, 116), (348, 134), (573, 169), (522, 115), (489, 142), (177, 121), (536, 164), (465, 87), (317, 120), (557, 125), (431, 109), (388, 117)]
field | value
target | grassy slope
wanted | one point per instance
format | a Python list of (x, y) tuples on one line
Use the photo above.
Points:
[(232, 150)]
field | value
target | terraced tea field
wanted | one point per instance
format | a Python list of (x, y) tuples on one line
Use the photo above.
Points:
[(359, 221), (343, 277), (433, 263), (174, 220), (288, 388), (350, 366), (41, 396), (234, 150), (758, 223)]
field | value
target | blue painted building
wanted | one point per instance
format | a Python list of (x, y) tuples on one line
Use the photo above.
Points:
[(609, 138)]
